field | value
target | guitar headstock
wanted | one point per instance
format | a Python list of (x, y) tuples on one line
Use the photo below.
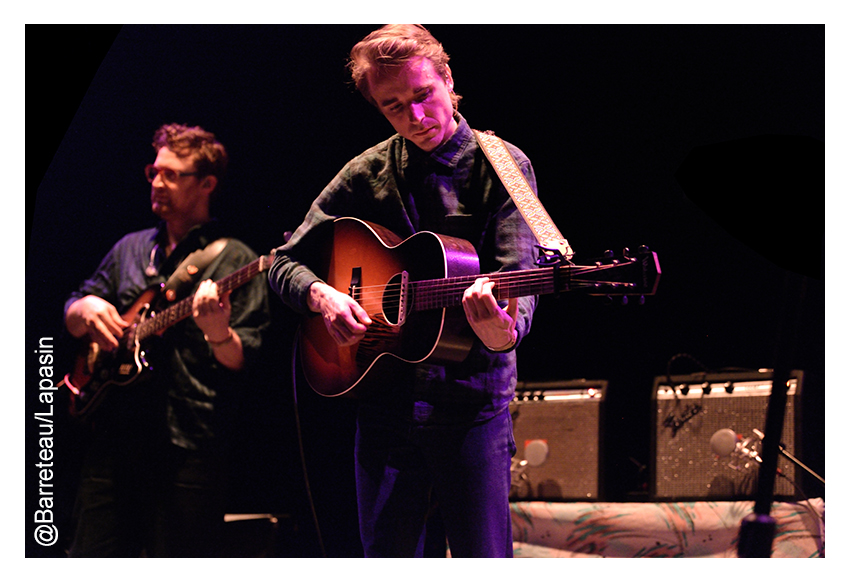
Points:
[(265, 261), (629, 274)]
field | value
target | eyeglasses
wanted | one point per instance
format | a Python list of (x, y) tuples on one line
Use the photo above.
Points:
[(170, 176)]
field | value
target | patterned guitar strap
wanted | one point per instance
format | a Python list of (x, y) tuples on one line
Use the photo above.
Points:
[(552, 244)]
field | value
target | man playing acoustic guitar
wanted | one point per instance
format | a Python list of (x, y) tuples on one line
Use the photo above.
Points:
[(430, 432), (152, 477)]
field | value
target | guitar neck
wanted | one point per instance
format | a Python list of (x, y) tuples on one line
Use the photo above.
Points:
[(444, 293), (162, 320)]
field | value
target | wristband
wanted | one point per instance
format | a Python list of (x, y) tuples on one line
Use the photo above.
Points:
[(222, 342), (507, 346)]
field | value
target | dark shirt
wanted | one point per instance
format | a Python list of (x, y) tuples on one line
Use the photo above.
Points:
[(453, 191), (177, 401)]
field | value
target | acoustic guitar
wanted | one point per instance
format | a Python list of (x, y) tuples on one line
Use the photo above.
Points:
[(412, 290)]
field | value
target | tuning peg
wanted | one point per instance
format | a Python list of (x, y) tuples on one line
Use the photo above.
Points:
[(617, 300)]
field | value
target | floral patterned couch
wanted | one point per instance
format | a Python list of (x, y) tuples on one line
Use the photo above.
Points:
[(699, 529)]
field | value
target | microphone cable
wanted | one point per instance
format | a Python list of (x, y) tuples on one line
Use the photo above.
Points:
[(294, 370)]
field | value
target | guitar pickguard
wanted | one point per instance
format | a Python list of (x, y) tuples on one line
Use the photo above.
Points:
[(103, 371)]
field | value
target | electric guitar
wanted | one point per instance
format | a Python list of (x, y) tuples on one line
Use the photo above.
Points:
[(412, 291), (97, 371)]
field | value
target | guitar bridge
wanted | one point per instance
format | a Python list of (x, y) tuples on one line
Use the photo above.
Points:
[(356, 275)]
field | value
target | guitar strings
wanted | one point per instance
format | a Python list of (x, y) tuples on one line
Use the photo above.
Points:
[(510, 277), (157, 321), (501, 284), (436, 292)]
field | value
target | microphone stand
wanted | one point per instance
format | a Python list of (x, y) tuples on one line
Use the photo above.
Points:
[(800, 464), (758, 529), (770, 170)]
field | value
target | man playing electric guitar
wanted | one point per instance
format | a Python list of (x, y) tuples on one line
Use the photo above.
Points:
[(152, 477)]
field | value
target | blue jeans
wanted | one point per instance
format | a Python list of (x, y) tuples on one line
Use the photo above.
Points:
[(407, 468)]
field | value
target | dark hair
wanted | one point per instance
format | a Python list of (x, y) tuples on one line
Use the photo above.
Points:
[(391, 47), (207, 153)]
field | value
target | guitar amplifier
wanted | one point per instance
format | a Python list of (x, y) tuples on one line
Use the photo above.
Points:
[(708, 430), (558, 433)]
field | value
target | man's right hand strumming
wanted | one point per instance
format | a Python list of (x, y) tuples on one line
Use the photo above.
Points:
[(96, 318)]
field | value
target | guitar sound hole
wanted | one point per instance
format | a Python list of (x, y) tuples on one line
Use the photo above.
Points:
[(391, 302)]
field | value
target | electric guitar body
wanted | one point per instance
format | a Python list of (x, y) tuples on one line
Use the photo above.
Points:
[(97, 372)]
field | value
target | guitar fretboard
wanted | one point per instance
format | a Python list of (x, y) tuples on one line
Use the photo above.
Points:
[(160, 321), (443, 293)]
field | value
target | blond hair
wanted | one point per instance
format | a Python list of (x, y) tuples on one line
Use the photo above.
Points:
[(390, 48)]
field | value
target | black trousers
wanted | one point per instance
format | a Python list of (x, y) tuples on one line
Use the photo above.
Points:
[(136, 499)]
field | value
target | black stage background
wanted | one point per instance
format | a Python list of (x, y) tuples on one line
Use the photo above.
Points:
[(607, 114)]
